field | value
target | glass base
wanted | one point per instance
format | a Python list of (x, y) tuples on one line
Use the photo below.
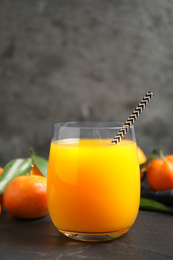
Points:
[(93, 237)]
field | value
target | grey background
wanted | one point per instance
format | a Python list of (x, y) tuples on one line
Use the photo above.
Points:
[(83, 60)]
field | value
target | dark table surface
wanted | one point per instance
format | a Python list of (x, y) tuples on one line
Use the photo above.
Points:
[(151, 237)]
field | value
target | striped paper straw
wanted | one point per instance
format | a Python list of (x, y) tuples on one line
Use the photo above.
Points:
[(130, 121)]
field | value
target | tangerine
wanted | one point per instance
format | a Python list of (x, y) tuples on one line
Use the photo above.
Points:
[(141, 156), (142, 159), (35, 170), (26, 197), (1, 196), (160, 173)]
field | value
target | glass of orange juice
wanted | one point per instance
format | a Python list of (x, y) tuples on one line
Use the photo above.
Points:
[(93, 185)]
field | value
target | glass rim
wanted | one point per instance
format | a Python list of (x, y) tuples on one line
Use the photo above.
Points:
[(91, 124)]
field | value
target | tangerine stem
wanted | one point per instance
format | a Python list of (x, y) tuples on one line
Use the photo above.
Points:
[(31, 151), (161, 154), (32, 164), (30, 172)]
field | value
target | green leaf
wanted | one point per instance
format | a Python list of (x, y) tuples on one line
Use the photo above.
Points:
[(13, 169), (41, 163), (148, 204), (152, 156)]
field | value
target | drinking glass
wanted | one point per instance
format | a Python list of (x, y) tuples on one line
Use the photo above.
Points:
[(93, 185)]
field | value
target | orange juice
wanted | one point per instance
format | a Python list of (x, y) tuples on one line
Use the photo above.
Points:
[(93, 187)]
